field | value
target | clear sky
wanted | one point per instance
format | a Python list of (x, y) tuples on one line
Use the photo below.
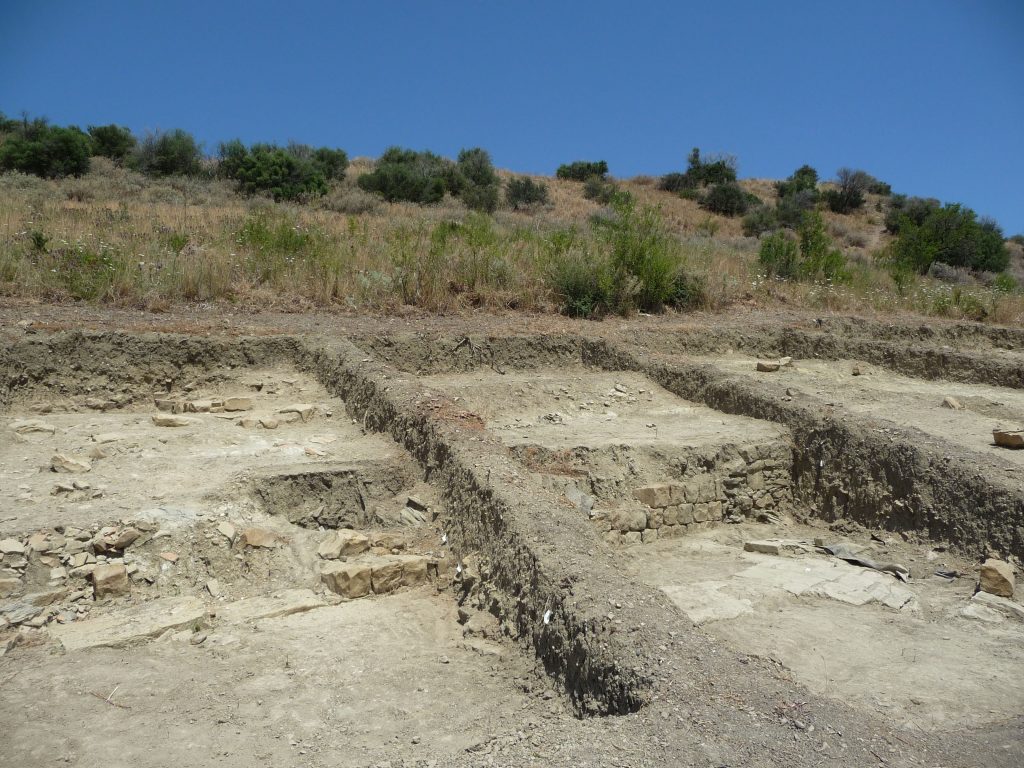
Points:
[(925, 94)]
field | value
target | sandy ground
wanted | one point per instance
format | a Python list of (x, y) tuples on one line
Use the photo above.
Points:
[(565, 408), (346, 685)]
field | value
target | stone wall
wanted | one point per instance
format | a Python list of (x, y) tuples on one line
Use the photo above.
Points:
[(756, 480)]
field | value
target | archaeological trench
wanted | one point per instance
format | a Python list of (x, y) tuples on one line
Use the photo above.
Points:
[(431, 549)]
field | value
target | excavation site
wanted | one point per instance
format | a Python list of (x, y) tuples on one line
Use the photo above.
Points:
[(616, 544)]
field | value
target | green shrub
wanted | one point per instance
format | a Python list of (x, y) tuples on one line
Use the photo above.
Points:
[(912, 209), (581, 170), (524, 192), (952, 234), (849, 195), (1005, 283), (813, 259), (407, 175), (644, 256), (818, 258), (45, 150), (296, 173), (791, 208), (803, 179), (676, 182), (719, 169), (113, 141), (600, 189), (727, 198), (759, 220), (478, 185), (778, 255), (170, 153), (879, 187), (689, 291)]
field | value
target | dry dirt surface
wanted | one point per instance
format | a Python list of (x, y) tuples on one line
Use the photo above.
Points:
[(328, 541)]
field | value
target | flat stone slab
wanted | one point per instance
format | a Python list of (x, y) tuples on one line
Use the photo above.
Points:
[(832, 579), (283, 603), (137, 623)]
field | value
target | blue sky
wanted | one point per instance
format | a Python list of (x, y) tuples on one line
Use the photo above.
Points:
[(926, 94)]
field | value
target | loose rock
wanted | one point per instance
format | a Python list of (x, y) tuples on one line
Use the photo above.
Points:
[(110, 581), (162, 420), (997, 578), (1009, 438), (952, 403), (260, 537), (64, 463), (11, 547), (343, 542)]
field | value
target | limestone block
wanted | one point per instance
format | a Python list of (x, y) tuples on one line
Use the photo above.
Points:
[(350, 580)]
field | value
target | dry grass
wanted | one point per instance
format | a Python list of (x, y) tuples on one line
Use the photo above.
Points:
[(120, 238)]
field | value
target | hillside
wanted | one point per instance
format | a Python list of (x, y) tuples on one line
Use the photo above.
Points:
[(120, 237)]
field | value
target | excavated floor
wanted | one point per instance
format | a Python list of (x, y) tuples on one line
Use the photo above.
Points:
[(225, 635), (923, 652), (261, 664), (877, 393)]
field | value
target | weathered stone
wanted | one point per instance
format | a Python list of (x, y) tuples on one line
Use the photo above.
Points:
[(162, 420), (997, 578), (168, 406), (1003, 605), (633, 537), (238, 404), (64, 463), (107, 437), (304, 410), (655, 496), (701, 513), (414, 570), (952, 403), (260, 537), (120, 627), (114, 543), (343, 542), (49, 597), (714, 510), (268, 422), (110, 581), (227, 530), (213, 587), (170, 557), (20, 612), (685, 514), (349, 580), (1009, 438), (768, 366), (386, 575), (11, 547), (9, 585), (27, 426), (79, 559), (655, 518), (649, 536), (277, 604), (198, 406), (627, 519), (417, 503)]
